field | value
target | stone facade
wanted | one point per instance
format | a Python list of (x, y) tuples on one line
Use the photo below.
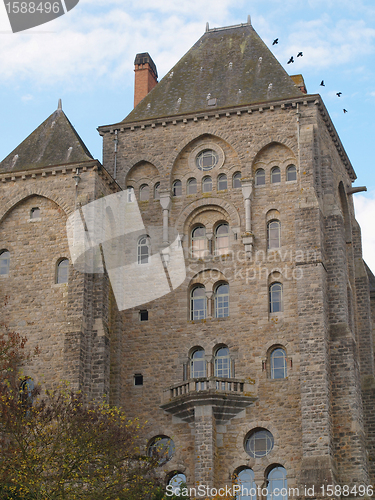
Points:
[(319, 411)]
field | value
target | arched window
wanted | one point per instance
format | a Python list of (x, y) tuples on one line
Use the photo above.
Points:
[(222, 301), (259, 443), (236, 181), (177, 188), (198, 242), (273, 234), (156, 191), (4, 262), (198, 364), (291, 173), (260, 177), (26, 392), (222, 363), (161, 448), (277, 484), (275, 175), (35, 213), (176, 481), (198, 303), (192, 186), (276, 297), (222, 182), (62, 271), (144, 192), (278, 363), (143, 249), (206, 184), (245, 479), (222, 239)]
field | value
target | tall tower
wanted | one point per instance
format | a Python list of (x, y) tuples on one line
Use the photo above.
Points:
[(254, 366)]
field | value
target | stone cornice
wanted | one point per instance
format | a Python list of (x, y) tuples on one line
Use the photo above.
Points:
[(270, 106)]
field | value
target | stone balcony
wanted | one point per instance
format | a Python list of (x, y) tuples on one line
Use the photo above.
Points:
[(227, 396)]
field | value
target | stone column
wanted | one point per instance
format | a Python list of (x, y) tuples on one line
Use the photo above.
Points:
[(247, 237), (205, 445), (165, 202)]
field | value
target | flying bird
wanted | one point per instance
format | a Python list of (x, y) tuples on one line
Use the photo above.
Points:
[(338, 94), (300, 54), (275, 42), (322, 83), (345, 111), (291, 60)]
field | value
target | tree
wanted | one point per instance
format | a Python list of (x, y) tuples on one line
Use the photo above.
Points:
[(54, 445)]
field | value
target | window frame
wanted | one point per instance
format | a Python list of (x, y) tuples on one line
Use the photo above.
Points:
[(192, 181), (272, 301), (222, 360), (163, 441), (157, 191), (251, 445), (260, 173), (220, 298), (220, 248), (271, 486), (245, 484), (62, 263), (207, 182), (194, 372), (198, 253), (270, 237), (144, 192), (291, 168), (141, 259), (276, 369), (236, 178), (177, 188), (4, 262), (202, 155), (222, 178), (275, 171), (202, 312)]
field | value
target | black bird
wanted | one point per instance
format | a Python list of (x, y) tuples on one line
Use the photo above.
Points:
[(338, 94), (345, 111), (299, 54), (291, 60), (275, 42), (322, 83)]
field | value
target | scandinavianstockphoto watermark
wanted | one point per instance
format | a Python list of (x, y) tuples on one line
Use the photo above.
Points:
[(329, 490), (26, 14)]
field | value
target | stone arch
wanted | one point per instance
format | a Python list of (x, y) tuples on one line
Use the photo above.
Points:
[(285, 144), (27, 193), (138, 164), (209, 131), (262, 143), (207, 204), (208, 278)]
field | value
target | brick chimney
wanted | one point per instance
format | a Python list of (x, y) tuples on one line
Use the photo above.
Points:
[(145, 76), (299, 82)]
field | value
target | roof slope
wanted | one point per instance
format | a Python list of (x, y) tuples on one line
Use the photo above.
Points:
[(54, 142), (231, 65)]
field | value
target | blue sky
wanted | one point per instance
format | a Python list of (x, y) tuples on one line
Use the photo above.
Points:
[(86, 58)]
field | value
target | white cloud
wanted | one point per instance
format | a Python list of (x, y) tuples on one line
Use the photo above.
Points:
[(27, 97), (365, 215)]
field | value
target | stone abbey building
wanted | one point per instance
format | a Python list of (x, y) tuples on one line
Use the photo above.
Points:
[(260, 365)]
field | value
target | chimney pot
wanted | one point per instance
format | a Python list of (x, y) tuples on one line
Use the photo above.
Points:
[(145, 76)]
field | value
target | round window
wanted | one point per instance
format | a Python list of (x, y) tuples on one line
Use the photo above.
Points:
[(207, 159), (161, 448), (259, 443)]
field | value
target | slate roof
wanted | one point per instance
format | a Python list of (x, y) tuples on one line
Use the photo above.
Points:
[(227, 67), (54, 142)]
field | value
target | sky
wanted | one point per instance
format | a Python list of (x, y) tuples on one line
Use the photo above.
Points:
[(86, 58)]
